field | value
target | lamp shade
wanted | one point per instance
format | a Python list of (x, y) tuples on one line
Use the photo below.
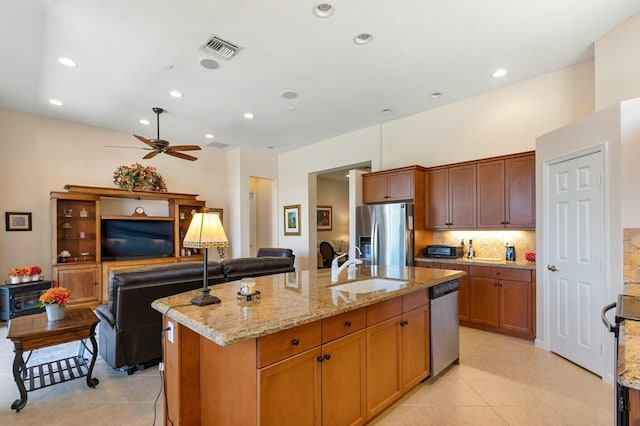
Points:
[(205, 231)]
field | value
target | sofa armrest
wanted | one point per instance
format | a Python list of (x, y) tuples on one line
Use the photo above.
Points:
[(104, 313)]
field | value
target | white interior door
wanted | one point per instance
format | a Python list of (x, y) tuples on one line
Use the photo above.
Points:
[(575, 275), (253, 223)]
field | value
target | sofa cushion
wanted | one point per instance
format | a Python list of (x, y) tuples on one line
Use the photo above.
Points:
[(235, 269), (275, 252), (175, 272)]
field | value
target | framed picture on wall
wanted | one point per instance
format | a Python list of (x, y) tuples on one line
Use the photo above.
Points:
[(18, 221), (292, 220), (324, 215)]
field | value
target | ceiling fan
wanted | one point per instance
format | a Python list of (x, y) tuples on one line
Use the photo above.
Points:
[(161, 146)]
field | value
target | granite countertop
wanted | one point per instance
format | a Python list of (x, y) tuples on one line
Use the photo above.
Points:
[(518, 264), (629, 347), (288, 300)]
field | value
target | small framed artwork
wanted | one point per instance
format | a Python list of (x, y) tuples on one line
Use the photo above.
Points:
[(292, 220), (291, 281), (324, 218), (18, 221)]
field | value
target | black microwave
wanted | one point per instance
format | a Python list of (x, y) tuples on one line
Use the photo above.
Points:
[(447, 252)]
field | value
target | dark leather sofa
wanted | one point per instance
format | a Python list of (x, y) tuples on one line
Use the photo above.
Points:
[(129, 333)]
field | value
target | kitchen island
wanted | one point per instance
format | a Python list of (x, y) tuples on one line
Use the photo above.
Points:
[(304, 352)]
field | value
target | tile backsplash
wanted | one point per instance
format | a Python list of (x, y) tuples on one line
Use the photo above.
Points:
[(631, 243), (489, 243)]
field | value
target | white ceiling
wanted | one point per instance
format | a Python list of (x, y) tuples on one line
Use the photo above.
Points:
[(131, 53)]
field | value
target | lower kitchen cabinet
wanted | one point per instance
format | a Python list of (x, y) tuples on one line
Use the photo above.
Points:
[(415, 347), (501, 299), (291, 389), (81, 280)]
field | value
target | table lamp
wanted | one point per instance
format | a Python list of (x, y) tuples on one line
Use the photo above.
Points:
[(205, 231)]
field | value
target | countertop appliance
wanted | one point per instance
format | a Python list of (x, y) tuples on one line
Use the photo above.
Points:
[(445, 336), (441, 251), (627, 309), (385, 234)]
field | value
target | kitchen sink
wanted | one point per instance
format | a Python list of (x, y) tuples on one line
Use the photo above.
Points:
[(371, 285)]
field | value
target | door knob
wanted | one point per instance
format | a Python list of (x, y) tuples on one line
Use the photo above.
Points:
[(552, 268)]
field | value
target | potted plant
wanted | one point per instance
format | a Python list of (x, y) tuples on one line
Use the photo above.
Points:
[(25, 272), (137, 176), (35, 273), (54, 301), (64, 255), (14, 275)]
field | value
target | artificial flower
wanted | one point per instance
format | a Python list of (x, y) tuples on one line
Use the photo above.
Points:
[(59, 295)]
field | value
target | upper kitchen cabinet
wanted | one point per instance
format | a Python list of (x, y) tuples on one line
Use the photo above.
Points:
[(506, 193), (393, 185), (451, 197)]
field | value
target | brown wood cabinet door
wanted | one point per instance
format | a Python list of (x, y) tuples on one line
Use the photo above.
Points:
[(462, 197), (81, 281), (490, 187), (344, 375), (520, 192), (290, 391), (400, 185), (484, 300), (384, 365), (463, 299), (515, 306), (415, 347), (437, 205), (423, 264), (374, 188)]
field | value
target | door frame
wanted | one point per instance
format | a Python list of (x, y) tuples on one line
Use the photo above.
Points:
[(610, 290)]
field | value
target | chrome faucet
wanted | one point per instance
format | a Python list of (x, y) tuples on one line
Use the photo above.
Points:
[(335, 269)]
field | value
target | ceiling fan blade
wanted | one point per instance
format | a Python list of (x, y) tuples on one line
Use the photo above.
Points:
[(184, 148), (181, 155), (128, 147), (145, 140), (150, 155)]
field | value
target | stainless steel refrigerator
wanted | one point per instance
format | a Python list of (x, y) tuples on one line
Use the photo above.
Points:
[(384, 233)]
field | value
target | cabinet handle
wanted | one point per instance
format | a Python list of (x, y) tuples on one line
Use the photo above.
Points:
[(320, 359), (95, 283), (295, 342), (502, 222), (327, 357), (347, 323), (386, 196), (403, 323), (495, 284), (498, 273)]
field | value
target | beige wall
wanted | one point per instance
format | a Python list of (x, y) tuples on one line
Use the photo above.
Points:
[(502, 121), (39, 155), (617, 64), (334, 193), (499, 122)]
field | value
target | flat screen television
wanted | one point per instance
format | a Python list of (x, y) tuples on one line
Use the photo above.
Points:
[(136, 239)]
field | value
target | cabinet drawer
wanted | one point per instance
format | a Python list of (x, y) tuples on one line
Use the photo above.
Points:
[(384, 310), (455, 267), (343, 324), (500, 273), (286, 343), (414, 300), (427, 264)]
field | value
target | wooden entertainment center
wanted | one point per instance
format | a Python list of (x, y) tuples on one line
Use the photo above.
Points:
[(76, 228)]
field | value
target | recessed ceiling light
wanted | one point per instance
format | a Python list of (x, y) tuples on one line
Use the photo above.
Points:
[(500, 72), (56, 102), (363, 38), (68, 62), (323, 10), (209, 64), (386, 111), (435, 95), (175, 94), (289, 94), (145, 122), (248, 115), (271, 147), (208, 136)]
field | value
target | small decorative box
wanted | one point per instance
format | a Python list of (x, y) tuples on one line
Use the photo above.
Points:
[(248, 297)]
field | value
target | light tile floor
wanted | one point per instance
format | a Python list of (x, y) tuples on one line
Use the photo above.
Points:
[(500, 381)]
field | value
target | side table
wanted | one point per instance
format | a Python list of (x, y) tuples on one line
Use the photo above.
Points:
[(33, 332)]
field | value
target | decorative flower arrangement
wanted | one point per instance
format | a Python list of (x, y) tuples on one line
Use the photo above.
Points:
[(59, 295), (36, 270), (63, 255), (137, 176), (15, 272)]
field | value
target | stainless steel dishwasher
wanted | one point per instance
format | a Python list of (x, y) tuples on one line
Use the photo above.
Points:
[(445, 338)]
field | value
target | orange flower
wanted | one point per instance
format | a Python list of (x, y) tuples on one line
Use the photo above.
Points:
[(59, 295)]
